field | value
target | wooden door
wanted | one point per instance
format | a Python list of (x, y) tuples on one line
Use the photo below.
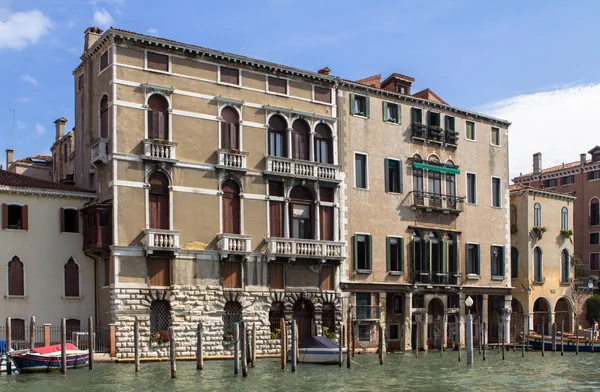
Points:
[(326, 223)]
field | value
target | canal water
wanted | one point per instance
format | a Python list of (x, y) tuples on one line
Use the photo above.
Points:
[(402, 371)]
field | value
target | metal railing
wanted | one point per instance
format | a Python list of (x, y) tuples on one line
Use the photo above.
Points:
[(437, 201), (434, 134), (435, 277), (367, 312), (51, 335)]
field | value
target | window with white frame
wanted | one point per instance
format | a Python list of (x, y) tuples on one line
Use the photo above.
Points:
[(360, 171), (564, 218), (496, 192)]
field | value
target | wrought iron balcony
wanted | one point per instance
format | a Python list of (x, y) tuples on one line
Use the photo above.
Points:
[(234, 244), (296, 247), (302, 169), (428, 201), (433, 277), (435, 134), (159, 150), (163, 240), (450, 137), (99, 151), (232, 160), (367, 312), (419, 130)]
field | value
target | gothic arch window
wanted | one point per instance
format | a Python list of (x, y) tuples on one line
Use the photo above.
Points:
[(232, 314), (301, 213), (159, 201), (71, 278), (160, 316), (104, 117), (538, 272), (565, 266), (594, 212), (231, 207), (158, 117), (16, 277), (564, 218), (323, 144), (537, 215), (277, 136), (230, 129), (300, 140)]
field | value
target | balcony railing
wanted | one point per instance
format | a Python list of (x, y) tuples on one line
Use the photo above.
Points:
[(419, 130), (232, 160), (159, 150), (367, 312), (451, 137), (433, 277), (99, 151), (430, 201), (434, 134), (302, 169), (305, 248), (234, 243), (158, 239)]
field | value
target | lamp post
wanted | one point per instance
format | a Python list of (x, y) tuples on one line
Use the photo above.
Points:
[(469, 331)]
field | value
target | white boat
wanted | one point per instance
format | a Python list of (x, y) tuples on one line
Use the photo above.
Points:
[(320, 350)]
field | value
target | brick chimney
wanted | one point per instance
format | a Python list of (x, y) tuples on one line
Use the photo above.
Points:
[(60, 127), (582, 159), (10, 157), (324, 71), (537, 163), (91, 36)]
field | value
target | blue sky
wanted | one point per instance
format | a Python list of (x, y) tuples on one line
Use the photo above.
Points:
[(520, 59)]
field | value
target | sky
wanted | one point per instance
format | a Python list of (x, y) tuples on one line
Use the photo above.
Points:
[(534, 63)]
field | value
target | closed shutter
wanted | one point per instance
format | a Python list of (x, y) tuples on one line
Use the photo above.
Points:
[(398, 114), (225, 136), (426, 246), (384, 110), (327, 277), (367, 107), (401, 254), (25, 217), (493, 262), (16, 277), (71, 279), (355, 252), (276, 218), (369, 252), (161, 123), (477, 259), (62, 220), (159, 272), (326, 223), (386, 164), (4, 216), (276, 276), (469, 262), (388, 254), (400, 178), (104, 119), (502, 262), (153, 207), (232, 275)]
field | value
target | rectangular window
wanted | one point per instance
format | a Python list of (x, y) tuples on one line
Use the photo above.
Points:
[(159, 272), (80, 82), (359, 105), (104, 60), (550, 183), (472, 259), (496, 192), (470, 133), (360, 171), (471, 188), (364, 310), (495, 136), (594, 213), (277, 85), (394, 333), (232, 275), (416, 116), (276, 281), (594, 238), (362, 252), (566, 180), (230, 76), (497, 261), (596, 157), (594, 175), (327, 277), (69, 220), (393, 175), (435, 120), (391, 112), (159, 62), (323, 94), (594, 261), (15, 217), (364, 333), (395, 254)]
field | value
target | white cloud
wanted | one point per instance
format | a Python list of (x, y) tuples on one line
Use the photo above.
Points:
[(103, 18), (19, 29), (40, 129), (561, 124), (152, 30), (29, 79)]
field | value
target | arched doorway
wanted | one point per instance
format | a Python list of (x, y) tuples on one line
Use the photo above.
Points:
[(541, 314), (435, 326), (304, 314), (563, 313), (516, 320)]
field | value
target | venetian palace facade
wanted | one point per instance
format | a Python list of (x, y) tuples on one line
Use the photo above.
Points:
[(233, 189)]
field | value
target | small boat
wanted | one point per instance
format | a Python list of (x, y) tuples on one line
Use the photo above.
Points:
[(570, 342), (4, 360), (319, 349), (48, 358)]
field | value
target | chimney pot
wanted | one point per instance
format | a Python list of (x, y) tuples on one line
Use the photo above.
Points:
[(582, 159), (91, 36), (10, 157), (324, 71), (537, 163), (60, 127)]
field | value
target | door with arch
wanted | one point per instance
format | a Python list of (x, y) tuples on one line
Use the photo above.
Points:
[(304, 315)]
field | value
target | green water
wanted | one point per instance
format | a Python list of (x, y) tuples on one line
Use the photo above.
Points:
[(429, 372)]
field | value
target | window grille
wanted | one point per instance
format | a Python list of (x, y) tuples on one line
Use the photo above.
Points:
[(231, 315), (160, 316)]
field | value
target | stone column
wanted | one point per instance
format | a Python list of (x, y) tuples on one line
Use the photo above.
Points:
[(289, 142), (485, 316), (311, 148), (286, 219), (506, 317), (550, 322), (407, 326), (461, 318), (445, 329), (317, 215), (382, 316), (529, 321)]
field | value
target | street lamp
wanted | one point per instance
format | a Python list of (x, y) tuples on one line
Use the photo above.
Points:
[(469, 303), (469, 331)]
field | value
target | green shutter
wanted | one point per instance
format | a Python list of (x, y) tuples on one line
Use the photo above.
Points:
[(502, 261), (400, 185), (367, 107), (401, 255), (478, 261), (445, 257), (351, 103), (467, 270), (355, 252), (388, 254), (399, 111), (386, 169), (426, 266), (383, 111), (369, 252), (493, 264), (413, 247)]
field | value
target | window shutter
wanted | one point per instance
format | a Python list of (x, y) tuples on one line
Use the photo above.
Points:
[(383, 111), (413, 250), (25, 217), (456, 262), (77, 221), (367, 107), (477, 260), (62, 220), (400, 185), (386, 163), (388, 254), (355, 252), (502, 262), (493, 262), (445, 256), (425, 264), (351, 103), (4, 216), (399, 114), (162, 126), (401, 254), (369, 252)]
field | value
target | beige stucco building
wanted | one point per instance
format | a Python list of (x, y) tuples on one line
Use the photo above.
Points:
[(38, 166), (45, 271)]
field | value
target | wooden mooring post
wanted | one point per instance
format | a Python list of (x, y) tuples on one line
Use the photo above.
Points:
[(293, 348), (381, 340), (63, 346), (515, 337), (458, 336), (283, 341), (236, 349), (351, 332), (253, 344), (499, 332), (562, 338), (136, 344), (577, 336), (553, 337), (297, 344), (480, 335), (502, 338), (543, 340), (8, 343), (199, 348), (172, 354), (349, 340), (341, 346), (244, 342), (484, 338), (32, 333), (91, 342), (417, 339), (525, 339), (526, 331)]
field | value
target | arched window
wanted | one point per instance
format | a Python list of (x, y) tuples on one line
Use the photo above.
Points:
[(300, 140), (160, 316), (565, 266), (159, 201), (104, 117), (301, 212), (595, 212), (277, 136), (72, 326), (16, 277), (328, 317), (537, 215), (323, 144), (514, 262), (231, 314), (537, 265), (71, 278), (158, 117), (231, 207), (275, 316), (230, 128), (564, 218)]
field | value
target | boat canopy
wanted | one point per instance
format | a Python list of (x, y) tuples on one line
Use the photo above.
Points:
[(318, 342), (53, 349)]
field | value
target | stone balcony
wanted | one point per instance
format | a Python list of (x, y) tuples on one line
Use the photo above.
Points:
[(159, 150), (99, 151), (303, 248), (232, 160), (295, 168), (161, 240), (234, 244)]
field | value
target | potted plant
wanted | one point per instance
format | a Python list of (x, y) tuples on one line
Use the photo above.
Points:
[(276, 334), (159, 337), (568, 233), (539, 231), (329, 335)]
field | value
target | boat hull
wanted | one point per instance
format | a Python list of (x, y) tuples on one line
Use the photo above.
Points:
[(570, 344), (319, 355), (3, 363), (31, 363)]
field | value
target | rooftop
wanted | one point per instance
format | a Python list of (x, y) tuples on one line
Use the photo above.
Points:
[(38, 159), (516, 188), (14, 180)]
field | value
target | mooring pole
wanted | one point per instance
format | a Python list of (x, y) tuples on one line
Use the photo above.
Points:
[(253, 344), (562, 337), (136, 344), (32, 333), (515, 336), (293, 349), (283, 341), (351, 334), (349, 337), (244, 341), (341, 345), (553, 337), (91, 342), (469, 338), (236, 349), (457, 322), (199, 348), (498, 345), (577, 336), (63, 346), (543, 340), (480, 325), (417, 338), (484, 335), (525, 337), (502, 337), (381, 339), (172, 353), (8, 345)]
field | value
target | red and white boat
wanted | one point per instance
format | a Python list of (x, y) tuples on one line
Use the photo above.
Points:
[(48, 358)]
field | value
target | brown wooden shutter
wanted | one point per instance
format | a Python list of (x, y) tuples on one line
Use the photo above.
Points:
[(276, 276), (327, 277), (154, 215), (231, 208), (25, 217), (62, 220), (17, 327), (232, 275), (16, 277), (326, 223), (4, 216), (161, 125), (151, 124), (76, 221), (71, 279), (233, 135), (159, 273), (276, 218)]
